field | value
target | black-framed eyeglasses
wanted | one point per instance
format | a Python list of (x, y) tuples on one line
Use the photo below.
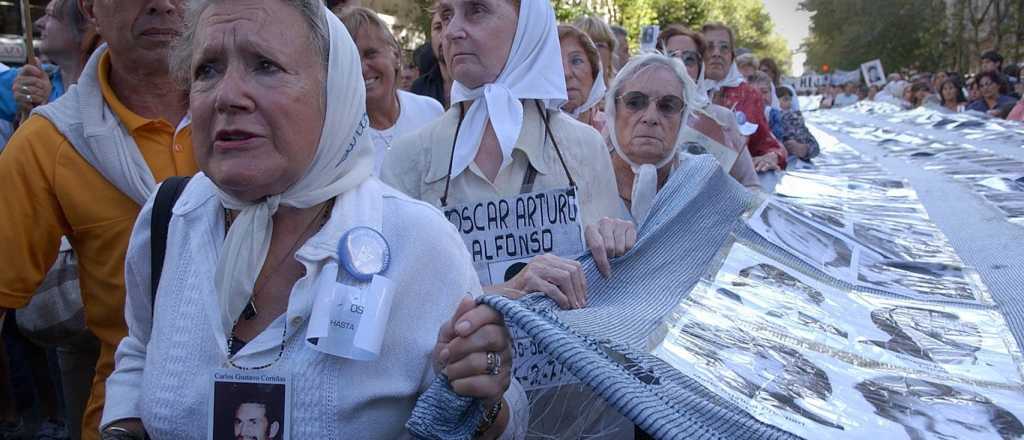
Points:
[(689, 57), (668, 105)]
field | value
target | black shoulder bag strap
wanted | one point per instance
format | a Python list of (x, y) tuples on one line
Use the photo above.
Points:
[(166, 197)]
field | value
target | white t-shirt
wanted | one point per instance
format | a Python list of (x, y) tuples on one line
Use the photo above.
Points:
[(416, 111)]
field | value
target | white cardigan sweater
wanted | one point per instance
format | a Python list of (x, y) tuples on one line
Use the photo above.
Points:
[(163, 374)]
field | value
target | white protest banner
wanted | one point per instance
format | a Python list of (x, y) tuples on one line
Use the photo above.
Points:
[(822, 80), (503, 234), (806, 83), (842, 77)]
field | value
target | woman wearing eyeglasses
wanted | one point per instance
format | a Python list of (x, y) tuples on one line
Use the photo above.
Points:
[(686, 45), (648, 105)]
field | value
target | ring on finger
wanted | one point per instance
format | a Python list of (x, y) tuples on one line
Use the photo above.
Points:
[(493, 363)]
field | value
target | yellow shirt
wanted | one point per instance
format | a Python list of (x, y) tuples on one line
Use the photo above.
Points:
[(47, 190)]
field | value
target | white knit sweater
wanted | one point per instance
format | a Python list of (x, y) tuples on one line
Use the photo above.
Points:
[(163, 375)]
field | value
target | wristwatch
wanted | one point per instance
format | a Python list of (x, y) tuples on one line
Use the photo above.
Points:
[(490, 417), (119, 433)]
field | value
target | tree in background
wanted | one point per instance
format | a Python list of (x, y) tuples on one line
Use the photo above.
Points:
[(979, 25), (903, 34), (914, 34), (754, 27)]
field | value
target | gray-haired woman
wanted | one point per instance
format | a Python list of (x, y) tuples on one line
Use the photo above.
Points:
[(292, 276), (648, 105)]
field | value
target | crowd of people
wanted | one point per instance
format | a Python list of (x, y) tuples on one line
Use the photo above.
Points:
[(994, 91), (321, 161)]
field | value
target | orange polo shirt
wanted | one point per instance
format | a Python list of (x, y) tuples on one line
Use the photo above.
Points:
[(47, 190)]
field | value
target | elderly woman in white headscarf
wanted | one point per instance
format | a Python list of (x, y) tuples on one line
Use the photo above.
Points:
[(584, 77), (292, 276), (648, 106), (504, 138)]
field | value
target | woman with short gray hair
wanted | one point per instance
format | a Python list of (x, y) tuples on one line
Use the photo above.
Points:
[(648, 107), (300, 296)]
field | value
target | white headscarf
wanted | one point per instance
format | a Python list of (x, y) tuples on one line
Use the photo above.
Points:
[(733, 79), (533, 71), (343, 160), (795, 106), (645, 176), (596, 94), (773, 105)]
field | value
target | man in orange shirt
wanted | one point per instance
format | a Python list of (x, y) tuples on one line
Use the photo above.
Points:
[(83, 166)]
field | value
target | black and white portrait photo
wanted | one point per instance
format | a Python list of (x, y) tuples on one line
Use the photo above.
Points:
[(934, 411), (873, 73), (249, 411)]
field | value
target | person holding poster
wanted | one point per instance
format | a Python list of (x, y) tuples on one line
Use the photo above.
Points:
[(290, 265), (873, 73), (521, 181)]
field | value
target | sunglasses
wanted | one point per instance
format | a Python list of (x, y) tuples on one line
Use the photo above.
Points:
[(668, 105), (689, 57)]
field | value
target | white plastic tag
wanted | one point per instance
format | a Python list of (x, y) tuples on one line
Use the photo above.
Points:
[(349, 321)]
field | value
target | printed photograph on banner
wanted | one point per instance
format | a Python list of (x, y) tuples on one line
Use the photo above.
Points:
[(974, 344), (927, 409), (915, 278), (824, 249), (809, 388), (249, 405), (502, 233), (873, 73), (770, 380)]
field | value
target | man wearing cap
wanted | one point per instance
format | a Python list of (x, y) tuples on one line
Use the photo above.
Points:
[(82, 167), (730, 90)]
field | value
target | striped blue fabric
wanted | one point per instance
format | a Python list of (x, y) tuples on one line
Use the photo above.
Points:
[(602, 345), (440, 414)]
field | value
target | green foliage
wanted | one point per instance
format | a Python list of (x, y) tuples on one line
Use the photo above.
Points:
[(903, 34), (754, 27)]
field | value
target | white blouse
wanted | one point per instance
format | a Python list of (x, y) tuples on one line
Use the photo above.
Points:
[(163, 374), (418, 163)]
